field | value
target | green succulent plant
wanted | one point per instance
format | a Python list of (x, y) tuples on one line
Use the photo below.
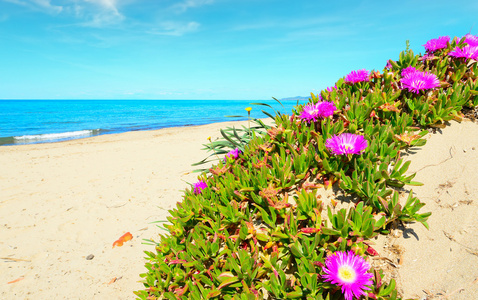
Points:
[(259, 230)]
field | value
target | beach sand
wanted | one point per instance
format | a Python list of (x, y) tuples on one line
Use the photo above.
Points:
[(442, 263), (62, 202)]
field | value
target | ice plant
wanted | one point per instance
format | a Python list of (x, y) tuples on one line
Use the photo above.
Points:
[(349, 271), (437, 44), (418, 81), (313, 112), (427, 56), (346, 143), (233, 153), (199, 186), (357, 76), (329, 89), (471, 40), (467, 52), (408, 71), (388, 65)]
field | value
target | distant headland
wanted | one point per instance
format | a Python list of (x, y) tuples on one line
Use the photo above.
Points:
[(297, 98)]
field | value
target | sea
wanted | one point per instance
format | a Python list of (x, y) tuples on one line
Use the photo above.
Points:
[(46, 121)]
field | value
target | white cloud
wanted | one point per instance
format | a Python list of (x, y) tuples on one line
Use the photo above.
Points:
[(185, 5), (102, 19), (47, 5), (98, 13), (44, 5), (175, 29), (108, 5), (112, 13), (92, 13)]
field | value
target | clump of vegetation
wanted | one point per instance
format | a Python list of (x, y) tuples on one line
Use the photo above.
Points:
[(255, 227)]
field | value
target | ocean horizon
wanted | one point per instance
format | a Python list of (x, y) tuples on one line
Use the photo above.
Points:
[(45, 121)]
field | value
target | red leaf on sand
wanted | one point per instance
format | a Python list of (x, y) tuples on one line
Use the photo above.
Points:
[(112, 280), (124, 238), (372, 251), (16, 280)]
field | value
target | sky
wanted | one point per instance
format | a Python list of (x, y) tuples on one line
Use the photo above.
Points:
[(208, 49)]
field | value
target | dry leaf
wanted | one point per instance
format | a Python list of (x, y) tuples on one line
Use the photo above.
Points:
[(16, 280), (124, 238), (112, 280), (15, 259)]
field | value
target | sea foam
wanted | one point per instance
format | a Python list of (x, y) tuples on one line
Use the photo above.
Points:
[(56, 136)]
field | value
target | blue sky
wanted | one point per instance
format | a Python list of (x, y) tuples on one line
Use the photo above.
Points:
[(208, 49)]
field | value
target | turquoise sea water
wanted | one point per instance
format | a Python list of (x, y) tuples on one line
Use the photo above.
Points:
[(39, 121)]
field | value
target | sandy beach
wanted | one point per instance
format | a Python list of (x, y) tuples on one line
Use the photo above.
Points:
[(62, 205), (442, 263)]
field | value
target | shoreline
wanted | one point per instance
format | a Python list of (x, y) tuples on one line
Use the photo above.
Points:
[(41, 121), (47, 138)]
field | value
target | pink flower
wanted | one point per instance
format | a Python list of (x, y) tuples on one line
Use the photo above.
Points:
[(320, 110), (388, 65), (349, 271), (346, 143), (357, 76), (437, 44), (428, 56), (408, 71), (199, 186), (471, 40), (467, 52), (233, 153), (418, 81)]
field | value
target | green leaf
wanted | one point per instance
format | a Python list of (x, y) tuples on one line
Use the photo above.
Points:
[(243, 232), (329, 231), (228, 281), (268, 114), (295, 294), (223, 133), (388, 289), (295, 250), (213, 294)]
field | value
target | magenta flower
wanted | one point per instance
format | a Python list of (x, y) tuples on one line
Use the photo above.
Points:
[(418, 81), (471, 40), (199, 186), (467, 52), (408, 71), (428, 56), (233, 153), (346, 143), (357, 76), (388, 65), (349, 271), (320, 110), (437, 44)]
